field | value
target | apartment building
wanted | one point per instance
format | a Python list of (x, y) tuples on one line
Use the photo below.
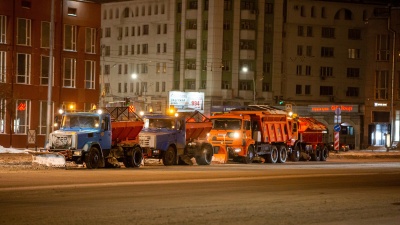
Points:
[(333, 60), (25, 65)]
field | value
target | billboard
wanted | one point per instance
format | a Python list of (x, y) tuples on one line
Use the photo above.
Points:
[(186, 101)]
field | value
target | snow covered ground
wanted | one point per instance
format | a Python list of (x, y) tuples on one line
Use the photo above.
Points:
[(49, 160), (13, 150)]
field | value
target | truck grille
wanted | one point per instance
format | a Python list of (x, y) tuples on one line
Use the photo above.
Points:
[(61, 141), (147, 141)]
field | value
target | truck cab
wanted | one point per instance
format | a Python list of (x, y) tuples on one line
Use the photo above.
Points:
[(176, 139)]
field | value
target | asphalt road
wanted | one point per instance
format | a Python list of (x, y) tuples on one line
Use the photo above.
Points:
[(291, 193)]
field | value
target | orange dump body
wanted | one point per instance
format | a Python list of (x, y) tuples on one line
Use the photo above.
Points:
[(272, 123), (126, 130), (274, 128), (125, 123), (311, 130), (197, 126)]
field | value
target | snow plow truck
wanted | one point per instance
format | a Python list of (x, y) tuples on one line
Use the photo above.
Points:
[(266, 133), (177, 138), (97, 139)]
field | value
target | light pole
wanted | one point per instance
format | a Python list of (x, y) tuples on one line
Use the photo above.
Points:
[(136, 77), (245, 69)]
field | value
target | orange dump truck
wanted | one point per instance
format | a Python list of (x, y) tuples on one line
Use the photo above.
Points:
[(264, 133), (309, 139)]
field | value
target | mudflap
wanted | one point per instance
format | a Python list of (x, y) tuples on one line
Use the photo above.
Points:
[(49, 159), (220, 155)]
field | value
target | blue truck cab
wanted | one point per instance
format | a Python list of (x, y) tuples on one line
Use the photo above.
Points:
[(176, 139), (98, 139)]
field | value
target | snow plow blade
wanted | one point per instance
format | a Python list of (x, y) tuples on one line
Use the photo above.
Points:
[(50, 159), (220, 155)]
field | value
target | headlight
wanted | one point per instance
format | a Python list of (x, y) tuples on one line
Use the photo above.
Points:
[(77, 153), (236, 135)]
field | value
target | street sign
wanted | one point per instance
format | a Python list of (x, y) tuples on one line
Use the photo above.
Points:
[(338, 119), (288, 107), (338, 111), (336, 128), (31, 136)]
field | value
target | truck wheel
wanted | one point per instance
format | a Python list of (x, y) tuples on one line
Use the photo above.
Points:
[(249, 156), (205, 157), (316, 156), (282, 157), (295, 156), (273, 156), (92, 158), (324, 154), (134, 158), (169, 157)]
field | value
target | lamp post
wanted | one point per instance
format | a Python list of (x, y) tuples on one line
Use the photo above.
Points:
[(245, 69), (136, 77)]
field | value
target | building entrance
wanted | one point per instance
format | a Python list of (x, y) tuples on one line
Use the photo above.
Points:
[(376, 134)]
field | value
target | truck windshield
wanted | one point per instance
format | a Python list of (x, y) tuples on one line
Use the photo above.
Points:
[(80, 121), (227, 124), (160, 123)]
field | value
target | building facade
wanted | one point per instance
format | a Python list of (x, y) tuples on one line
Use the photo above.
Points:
[(336, 61), (25, 65)]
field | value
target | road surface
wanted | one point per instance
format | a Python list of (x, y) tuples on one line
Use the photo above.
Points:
[(291, 193)]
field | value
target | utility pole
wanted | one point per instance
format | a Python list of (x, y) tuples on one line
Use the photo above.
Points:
[(50, 81)]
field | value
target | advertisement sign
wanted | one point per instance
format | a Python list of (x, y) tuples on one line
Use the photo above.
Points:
[(187, 101)]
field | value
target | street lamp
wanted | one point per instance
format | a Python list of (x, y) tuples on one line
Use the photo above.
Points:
[(245, 69)]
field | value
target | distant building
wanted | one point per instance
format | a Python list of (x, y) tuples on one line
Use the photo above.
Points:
[(310, 56), (24, 65)]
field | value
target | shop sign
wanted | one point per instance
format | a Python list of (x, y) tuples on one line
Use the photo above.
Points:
[(333, 108)]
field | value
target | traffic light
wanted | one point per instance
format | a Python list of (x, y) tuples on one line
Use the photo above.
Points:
[(127, 101), (281, 102)]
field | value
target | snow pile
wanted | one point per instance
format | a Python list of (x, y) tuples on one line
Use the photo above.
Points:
[(50, 160), (12, 150), (41, 158)]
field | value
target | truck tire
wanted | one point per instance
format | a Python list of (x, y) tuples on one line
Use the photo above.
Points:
[(92, 158), (273, 156), (169, 157), (316, 156), (134, 158), (205, 156), (295, 156), (324, 153), (282, 157), (249, 156)]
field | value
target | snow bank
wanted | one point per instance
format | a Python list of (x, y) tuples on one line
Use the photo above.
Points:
[(12, 150)]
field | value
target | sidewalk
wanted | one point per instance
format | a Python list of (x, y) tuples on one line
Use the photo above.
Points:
[(381, 153)]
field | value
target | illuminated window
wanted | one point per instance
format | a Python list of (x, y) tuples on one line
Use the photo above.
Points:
[(22, 118), (2, 115)]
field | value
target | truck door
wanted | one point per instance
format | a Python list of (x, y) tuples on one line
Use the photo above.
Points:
[(105, 133), (180, 134)]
